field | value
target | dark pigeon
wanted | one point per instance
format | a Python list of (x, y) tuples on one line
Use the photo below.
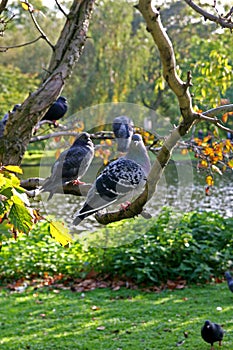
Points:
[(211, 333), (123, 128), (71, 165), (229, 281), (57, 110), (121, 180), (5, 118)]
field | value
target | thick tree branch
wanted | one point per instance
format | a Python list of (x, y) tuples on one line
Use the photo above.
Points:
[(3, 4), (180, 88), (67, 51), (224, 22)]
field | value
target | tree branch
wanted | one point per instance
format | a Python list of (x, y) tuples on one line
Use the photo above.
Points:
[(60, 8), (223, 21), (180, 88), (3, 4), (43, 35), (6, 48)]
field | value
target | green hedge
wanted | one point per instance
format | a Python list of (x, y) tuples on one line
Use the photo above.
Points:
[(195, 246)]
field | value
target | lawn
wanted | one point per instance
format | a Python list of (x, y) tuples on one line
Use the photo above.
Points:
[(125, 319)]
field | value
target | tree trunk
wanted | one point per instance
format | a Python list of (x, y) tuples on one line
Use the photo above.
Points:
[(67, 51)]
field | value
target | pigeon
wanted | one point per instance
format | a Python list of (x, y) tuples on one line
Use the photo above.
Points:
[(121, 180), (211, 333), (123, 128), (71, 165), (57, 110), (229, 281), (5, 119)]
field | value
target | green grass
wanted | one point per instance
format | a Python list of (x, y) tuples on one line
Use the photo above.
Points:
[(131, 319)]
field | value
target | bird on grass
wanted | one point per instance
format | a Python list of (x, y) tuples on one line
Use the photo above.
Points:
[(229, 281), (211, 333), (57, 110), (123, 128), (121, 180), (71, 165)]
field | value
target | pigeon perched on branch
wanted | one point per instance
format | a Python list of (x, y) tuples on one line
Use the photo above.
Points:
[(121, 180), (57, 110), (229, 281), (123, 128), (211, 333), (71, 165)]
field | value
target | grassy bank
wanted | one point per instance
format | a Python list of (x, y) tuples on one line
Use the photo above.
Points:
[(49, 319)]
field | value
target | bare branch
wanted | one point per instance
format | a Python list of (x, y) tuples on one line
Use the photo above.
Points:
[(35, 182), (222, 21), (43, 35), (216, 121), (221, 109), (60, 8), (6, 48)]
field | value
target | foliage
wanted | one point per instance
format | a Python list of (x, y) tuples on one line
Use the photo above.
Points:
[(14, 205), (195, 247), (16, 215), (50, 318), (15, 86)]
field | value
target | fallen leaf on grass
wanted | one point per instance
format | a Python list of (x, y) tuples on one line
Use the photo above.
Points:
[(100, 328), (94, 307)]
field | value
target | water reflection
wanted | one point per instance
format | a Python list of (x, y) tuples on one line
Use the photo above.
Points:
[(176, 189)]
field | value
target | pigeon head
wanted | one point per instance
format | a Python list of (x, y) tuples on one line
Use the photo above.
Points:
[(207, 324), (62, 99), (83, 139), (16, 107)]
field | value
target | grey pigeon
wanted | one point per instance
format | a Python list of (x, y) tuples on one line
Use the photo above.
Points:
[(71, 165), (211, 333), (123, 128), (57, 110), (229, 281), (121, 180), (5, 118)]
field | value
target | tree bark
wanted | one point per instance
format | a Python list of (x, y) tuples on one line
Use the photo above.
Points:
[(68, 49)]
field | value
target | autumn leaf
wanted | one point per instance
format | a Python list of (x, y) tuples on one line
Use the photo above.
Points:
[(230, 163), (27, 6), (13, 169), (225, 117), (60, 233), (209, 180)]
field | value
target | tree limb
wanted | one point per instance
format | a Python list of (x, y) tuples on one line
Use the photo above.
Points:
[(223, 21), (6, 48), (3, 4)]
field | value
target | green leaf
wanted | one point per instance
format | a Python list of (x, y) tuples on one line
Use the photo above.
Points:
[(60, 233), (19, 216)]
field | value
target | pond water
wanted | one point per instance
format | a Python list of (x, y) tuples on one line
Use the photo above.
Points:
[(181, 187)]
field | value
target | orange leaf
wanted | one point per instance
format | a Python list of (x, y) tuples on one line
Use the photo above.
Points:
[(225, 117)]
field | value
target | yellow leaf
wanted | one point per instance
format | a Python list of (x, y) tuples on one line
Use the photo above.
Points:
[(26, 6), (209, 180), (230, 163), (60, 233), (2, 180), (225, 117), (13, 169)]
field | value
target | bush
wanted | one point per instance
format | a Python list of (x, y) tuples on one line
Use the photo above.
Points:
[(196, 248)]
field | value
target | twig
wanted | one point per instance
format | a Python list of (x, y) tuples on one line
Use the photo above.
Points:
[(60, 8), (224, 23), (43, 35), (5, 48)]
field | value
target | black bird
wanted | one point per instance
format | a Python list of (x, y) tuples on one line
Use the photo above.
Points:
[(211, 333), (71, 165), (123, 128), (57, 110), (229, 281)]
